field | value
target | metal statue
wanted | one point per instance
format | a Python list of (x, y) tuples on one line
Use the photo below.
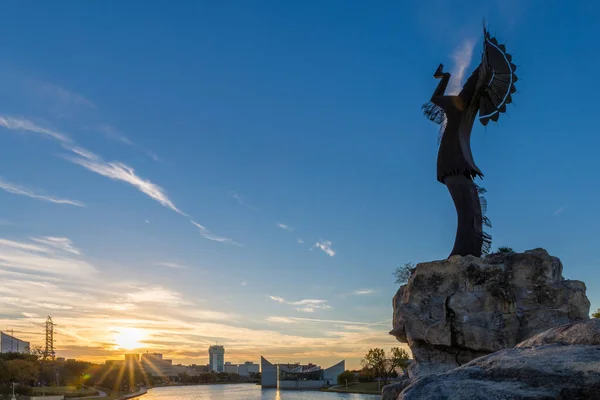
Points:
[(487, 92)]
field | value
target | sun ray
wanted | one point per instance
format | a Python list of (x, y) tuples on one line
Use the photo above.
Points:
[(121, 373), (105, 374), (143, 371)]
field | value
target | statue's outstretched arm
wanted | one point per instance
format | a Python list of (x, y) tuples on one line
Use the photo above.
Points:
[(439, 98)]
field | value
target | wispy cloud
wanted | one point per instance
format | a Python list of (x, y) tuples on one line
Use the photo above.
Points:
[(306, 305), (171, 265), (19, 124), (301, 241), (244, 283), (285, 227), (87, 159), (363, 291), (293, 320), (462, 58), (62, 95), (325, 245), (48, 255), (204, 231), (121, 172), (115, 134), (61, 243), (156, 294), (559, 210), (170, 321), (283, 320), (242, 202), (23, 191)]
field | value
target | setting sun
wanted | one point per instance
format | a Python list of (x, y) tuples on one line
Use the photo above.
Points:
[(128, 338)]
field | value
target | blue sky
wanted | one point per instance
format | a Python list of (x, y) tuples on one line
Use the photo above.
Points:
[(252, 172)]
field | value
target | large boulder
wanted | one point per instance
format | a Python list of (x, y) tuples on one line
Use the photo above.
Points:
[(455, 310), (391, 391), (561, 363)]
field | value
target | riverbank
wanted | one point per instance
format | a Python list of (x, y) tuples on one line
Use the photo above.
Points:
[(104, 396), (202, 384), (356, 388), (139, 393)]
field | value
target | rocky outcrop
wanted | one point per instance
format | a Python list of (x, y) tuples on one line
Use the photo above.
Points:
[(455, 310), (577, 333), (561, 363), (391, 392)]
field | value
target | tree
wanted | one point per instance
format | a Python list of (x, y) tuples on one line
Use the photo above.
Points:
[(24, 372), (404, 273), (383, 366), (505, 250), (596, 314), (366, 375), (344, 377)]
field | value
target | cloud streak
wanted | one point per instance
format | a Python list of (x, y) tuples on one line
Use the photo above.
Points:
[(114, 170), (18, 124), (325, 245), (363, 292), (306, 305), (121, 172), (61, 243), (285, 227), (63, 95), (49, 255), (171, 265), (157, 295), (114, 134), (243, 203), (23, 191), (205, 232), (461, 56)]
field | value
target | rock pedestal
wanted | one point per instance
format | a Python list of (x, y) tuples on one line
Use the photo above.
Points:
[(455, 310), (561, 363)]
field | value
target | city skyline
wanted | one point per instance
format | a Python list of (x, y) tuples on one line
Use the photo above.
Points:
[(253, 176)]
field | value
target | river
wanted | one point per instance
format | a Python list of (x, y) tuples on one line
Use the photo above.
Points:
[(243, 392)]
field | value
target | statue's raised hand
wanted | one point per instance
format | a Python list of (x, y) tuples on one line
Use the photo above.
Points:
[(439, 72)]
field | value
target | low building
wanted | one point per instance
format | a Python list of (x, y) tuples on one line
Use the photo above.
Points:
[(298, 377), (10, 344), (248, 368), (132, 358), (195, 370), (155, 365), (231, 368)]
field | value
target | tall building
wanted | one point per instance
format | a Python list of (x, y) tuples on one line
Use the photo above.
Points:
[(216, 355), (10, 344)]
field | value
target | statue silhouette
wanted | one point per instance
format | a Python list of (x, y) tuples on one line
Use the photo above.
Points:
[(486, 92)]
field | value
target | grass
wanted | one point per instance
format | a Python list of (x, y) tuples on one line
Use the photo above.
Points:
[(358, 387)]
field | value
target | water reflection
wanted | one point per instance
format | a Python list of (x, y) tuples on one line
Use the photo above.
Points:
[(244, 392)]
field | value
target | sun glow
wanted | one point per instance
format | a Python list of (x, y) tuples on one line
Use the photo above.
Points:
[(128, 338)]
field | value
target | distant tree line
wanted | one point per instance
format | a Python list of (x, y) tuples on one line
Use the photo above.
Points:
[(213, 377)]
